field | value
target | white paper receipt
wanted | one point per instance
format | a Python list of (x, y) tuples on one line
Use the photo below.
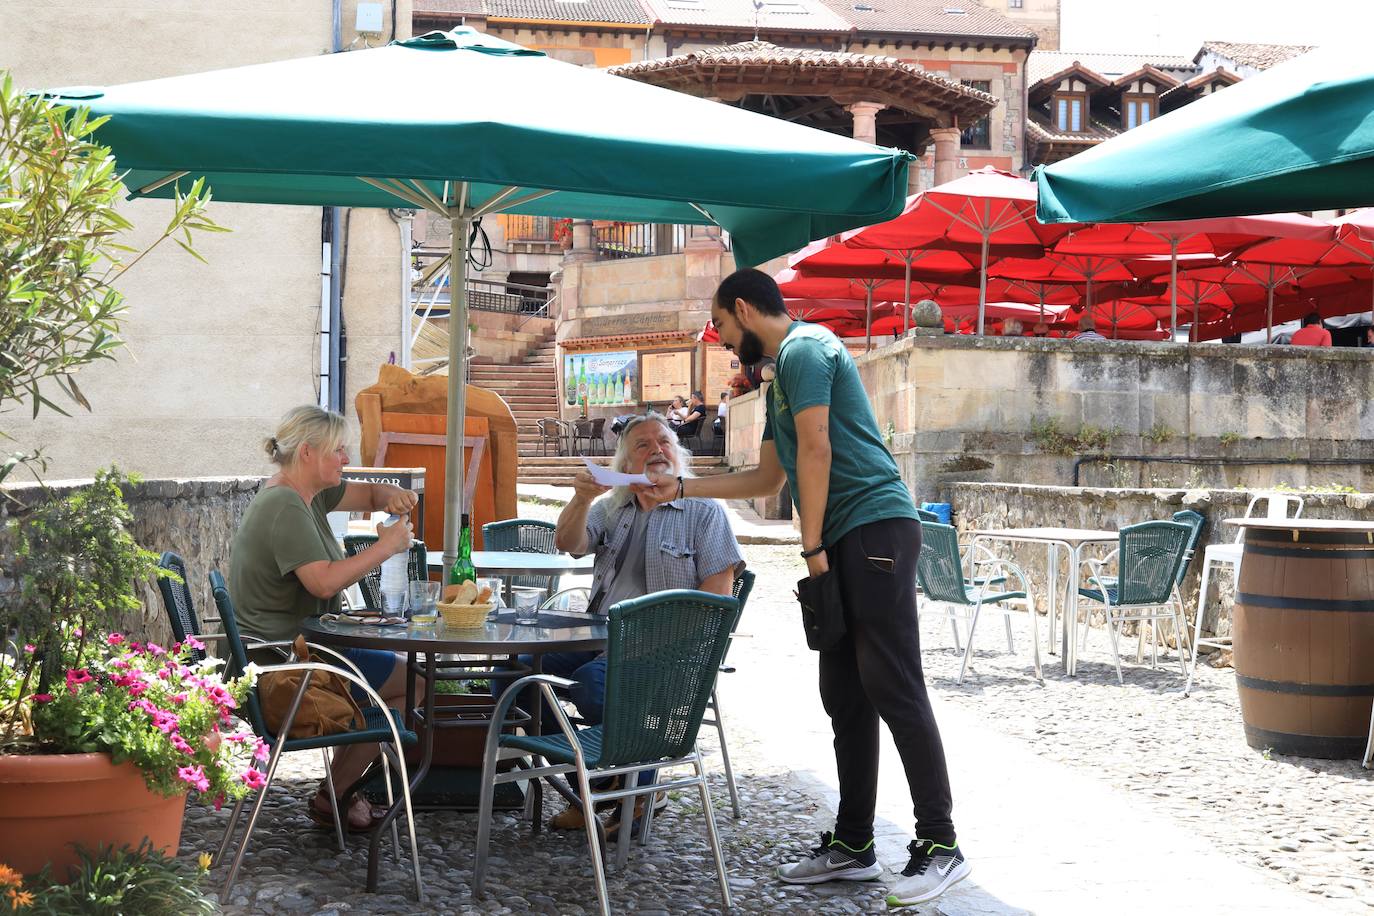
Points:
[(608, 478)]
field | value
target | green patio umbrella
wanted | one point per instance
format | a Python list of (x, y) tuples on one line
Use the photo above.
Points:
[(466, 125), (1297, 137)]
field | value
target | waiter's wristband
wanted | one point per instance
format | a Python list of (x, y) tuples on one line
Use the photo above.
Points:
[(681, 487), (814, 551)]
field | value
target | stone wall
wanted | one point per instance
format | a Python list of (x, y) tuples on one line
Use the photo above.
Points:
[(960, 408), (1003, 505), (195, 517)]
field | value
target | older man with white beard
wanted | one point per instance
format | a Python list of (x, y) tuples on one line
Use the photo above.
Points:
[(641, 547)]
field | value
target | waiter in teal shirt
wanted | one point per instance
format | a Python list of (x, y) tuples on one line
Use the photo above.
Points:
[(858, 525)]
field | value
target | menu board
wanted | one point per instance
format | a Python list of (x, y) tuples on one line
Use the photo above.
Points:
[(600, 378), (665, 374), (721, 366)]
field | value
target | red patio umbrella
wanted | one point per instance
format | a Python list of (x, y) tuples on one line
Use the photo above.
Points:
[(1217, 236), (1270, 279), (1070, 269), (1352, 248), (988, 211)]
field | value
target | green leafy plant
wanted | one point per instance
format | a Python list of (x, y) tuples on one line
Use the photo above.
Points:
[(60, 251), (1052, 437), (1160, 433), (1228, 439), (122, 882)]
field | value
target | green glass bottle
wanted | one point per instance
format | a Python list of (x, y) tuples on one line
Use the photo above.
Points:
[(463, 570)]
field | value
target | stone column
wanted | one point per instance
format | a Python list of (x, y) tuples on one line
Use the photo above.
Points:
[(865, 120), (583, 247), (946, 153)]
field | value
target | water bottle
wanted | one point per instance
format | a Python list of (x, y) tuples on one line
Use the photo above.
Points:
[(395, 576)]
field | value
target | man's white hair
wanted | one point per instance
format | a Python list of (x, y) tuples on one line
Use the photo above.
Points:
[(621, 458)]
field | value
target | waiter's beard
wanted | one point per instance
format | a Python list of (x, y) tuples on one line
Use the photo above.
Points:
[(750, 349)]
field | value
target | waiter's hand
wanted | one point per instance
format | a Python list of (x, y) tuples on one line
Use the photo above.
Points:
[(818, 565), (664, 489)]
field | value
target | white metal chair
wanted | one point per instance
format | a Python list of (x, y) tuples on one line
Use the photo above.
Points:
[(1145, 589), (1369, 747), (940, 570), (1276, 506)]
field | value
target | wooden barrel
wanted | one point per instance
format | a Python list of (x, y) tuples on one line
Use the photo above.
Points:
[(1304, 641)]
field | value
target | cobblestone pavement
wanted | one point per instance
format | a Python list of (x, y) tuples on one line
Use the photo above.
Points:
[(1304, 821)]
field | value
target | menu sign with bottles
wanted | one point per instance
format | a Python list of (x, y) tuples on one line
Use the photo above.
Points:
[(600, 378), (666, 374), (721, 367)]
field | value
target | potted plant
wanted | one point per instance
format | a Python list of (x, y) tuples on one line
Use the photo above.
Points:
[(101, 737)]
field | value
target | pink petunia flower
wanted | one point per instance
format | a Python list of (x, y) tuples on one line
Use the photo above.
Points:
[(180, 744), (76, 677), (164, 721), (114, 639), (219, 801), (154, 649), (30, 648), (254, 779), (42, 698), (193, 642), (260, 753), (194, 776)]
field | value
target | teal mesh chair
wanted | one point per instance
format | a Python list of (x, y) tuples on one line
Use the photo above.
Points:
[(925, 515), (1145, 588), (523, 535), (381, 726), (417, 567), (940, 570), (662, 657)]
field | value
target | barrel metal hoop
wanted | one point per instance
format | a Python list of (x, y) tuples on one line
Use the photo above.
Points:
[(1282, 603), (1306, 745), (1311, 690)]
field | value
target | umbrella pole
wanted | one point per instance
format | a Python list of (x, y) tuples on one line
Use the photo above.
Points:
[(983, 284), (457, 380), (868, 319), (1193, 331), (906, 308), (1173, 288), (1269, 313)]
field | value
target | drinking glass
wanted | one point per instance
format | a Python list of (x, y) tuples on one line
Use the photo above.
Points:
[(495, 584), (394, 604), (527, 605), (423, 598)]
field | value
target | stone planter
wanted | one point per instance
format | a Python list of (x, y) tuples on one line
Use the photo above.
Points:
[(49, 802)]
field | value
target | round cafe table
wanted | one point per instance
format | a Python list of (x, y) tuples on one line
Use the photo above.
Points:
[(424, 644)]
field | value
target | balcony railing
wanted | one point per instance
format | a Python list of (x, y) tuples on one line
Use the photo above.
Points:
[(637, 240), (527, 228)]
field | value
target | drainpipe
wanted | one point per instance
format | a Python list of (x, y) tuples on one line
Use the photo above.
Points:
[(405, 223), (331, 316)]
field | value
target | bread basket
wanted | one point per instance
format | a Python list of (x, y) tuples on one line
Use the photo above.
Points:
[(464, 616)]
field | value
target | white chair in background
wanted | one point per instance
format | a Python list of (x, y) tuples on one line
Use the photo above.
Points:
[(1276, 506)]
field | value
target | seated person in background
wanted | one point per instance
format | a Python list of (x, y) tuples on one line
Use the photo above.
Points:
[(696, 411), (1012, 328), (641, 547), (718, 427), (1312, 333), (677, 411), (1087, 329), (286, 565)]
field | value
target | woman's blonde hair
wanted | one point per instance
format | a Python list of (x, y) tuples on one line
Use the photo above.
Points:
[(305, 425)]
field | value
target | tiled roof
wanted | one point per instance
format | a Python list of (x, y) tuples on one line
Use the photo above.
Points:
[(921, 17), (774, 15), (899, 80), (1045, 63), (1042, 131), (1261, 57), (1197, 82), (628, 11)]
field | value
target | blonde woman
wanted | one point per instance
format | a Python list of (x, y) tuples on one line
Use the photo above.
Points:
[(286, 565)]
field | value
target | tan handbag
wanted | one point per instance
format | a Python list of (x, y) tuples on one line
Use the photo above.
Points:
[(328, 707)]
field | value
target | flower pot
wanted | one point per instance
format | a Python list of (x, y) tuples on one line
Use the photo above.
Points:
[(49, 802), (461, 746)]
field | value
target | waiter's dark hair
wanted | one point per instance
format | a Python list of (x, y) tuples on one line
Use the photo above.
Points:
[(754, 287)]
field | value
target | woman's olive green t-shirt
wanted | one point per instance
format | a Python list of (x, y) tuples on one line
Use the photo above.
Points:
[(280, 533)]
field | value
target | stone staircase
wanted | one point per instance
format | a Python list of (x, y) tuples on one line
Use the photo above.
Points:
[(530, 387), (558, 472)]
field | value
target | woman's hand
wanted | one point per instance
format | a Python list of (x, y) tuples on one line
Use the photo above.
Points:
[(398, 501), (394, 538)]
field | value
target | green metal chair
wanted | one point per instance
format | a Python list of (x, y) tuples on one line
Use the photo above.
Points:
[(662, 657), (1148, 557), (523, 535), (417, 567), (940, 570), (381, 726)]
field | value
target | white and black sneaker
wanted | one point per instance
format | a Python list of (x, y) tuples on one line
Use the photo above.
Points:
[(933, 869), (833, 860)]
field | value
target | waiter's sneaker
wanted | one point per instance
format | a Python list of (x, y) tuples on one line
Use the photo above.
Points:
[(933, 869), (833, 860)]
